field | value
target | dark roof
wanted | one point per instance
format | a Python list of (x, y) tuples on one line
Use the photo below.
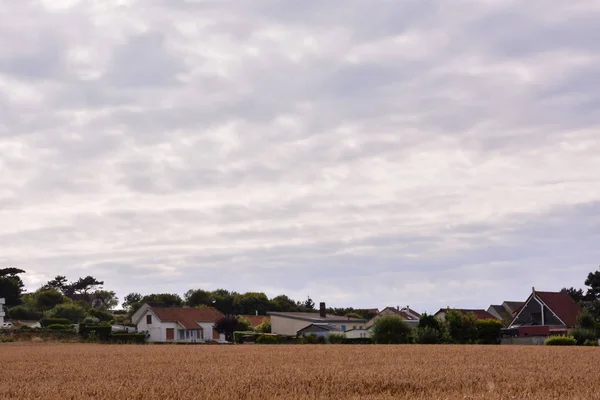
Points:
[(562, 305), (479, 314), (514, 305), (187, 317), (322, 327), (314, 317), (499, 309)]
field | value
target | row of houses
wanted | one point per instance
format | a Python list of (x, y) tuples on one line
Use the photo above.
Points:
[(542, 314)]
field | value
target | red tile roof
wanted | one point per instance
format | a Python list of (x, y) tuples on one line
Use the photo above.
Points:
[(256, 320), (562, 305), (187, 317)]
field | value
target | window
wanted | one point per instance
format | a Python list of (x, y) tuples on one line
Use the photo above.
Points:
[(149, 319), (343, 328), (181, 334), (354, 327)]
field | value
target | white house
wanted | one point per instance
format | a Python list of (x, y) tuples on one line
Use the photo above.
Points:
[(2, 302), (178, 324), (359, 333)]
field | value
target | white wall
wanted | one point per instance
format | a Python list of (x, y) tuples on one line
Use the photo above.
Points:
[(208, 331), (358, 333), (157, 329)]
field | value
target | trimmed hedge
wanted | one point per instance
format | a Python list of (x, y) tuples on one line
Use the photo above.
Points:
[(365, 340), (336, 338), (97, 332), (561, 341), (488, 331), (267, 339), (238, 336), (59, 327), (46, 322), (128, 338)]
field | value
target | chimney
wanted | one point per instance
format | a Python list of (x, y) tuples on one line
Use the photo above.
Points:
[(322, 312), (533, 289), (398, 308), (256, 311)]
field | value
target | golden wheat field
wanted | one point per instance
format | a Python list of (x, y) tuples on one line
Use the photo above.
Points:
[(88, 371)]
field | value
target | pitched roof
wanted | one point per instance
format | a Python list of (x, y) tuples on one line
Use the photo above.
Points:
[(514, 305), (314, 317), (323, 327), (562, 305), (401, 313), (479, 314), (497, 308), (256, 320), (187, 317)]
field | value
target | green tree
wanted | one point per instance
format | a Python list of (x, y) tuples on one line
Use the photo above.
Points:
[(48, 299), (309, 304), (72, 312), (11, 285), (24, 313), (198, 297), (229, 324), (251, 303), (430, 321), (132, 301), (163, 299), (391, 329), (488, 331), (283, 303), (223, 300), (104, 299), (427, 335), (593, 284), (576, 294), (265, 326), (461, 328)]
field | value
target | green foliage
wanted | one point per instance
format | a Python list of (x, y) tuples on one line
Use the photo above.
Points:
[(283, 303), (45, 322), (313, 339), (488, 331), (198, 297), (132, 301), (365, 340), (391, 329), (48, 299), (265, 327), (228, 325), (59, 327), (581, 335), (336, 338), (429, 321), (103, 316), (461, 328), (90, 321), (128, 338), (238, 336), (11, 285), (251, 302), (267, 339), (585, 320), (24, 313), (244, 324), (95, 332), (561, 341), (427, 335), (591, 343), (104, 299), (25, 328), (353, 315), (71, 311)]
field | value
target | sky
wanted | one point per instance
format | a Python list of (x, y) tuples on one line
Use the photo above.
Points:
[(364, 153)]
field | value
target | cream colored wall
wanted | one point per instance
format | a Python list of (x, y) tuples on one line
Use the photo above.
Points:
[(287, 326)]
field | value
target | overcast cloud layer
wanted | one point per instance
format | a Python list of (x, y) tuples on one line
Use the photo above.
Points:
[(365, 153)]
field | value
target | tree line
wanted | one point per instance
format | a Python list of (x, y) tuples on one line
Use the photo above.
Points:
[(86, 297)]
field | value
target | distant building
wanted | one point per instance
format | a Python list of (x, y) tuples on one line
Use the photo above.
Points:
[(506, 310), (291, 323)]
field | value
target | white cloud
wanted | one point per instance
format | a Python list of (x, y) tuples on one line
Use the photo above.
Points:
[(405, 153)]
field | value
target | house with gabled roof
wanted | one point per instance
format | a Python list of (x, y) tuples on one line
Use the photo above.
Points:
[(290, 323), (505, 311), (545, 313), (406, 313), (178, 324)]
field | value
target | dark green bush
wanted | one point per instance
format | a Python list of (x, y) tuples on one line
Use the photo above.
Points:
[(128, 338), (365, 340), (24, 313), (45, 322), (581, 335), (336, 338), (590, 343), (71, 311), (488, 331), (267, 339), (561, 341), (427, 335), (310, 339), (95, 332), (391, 329), (238, 336), (59, 327), (103, 316)]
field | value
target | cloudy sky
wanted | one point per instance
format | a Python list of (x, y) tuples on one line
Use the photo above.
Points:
[(365, 153)]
